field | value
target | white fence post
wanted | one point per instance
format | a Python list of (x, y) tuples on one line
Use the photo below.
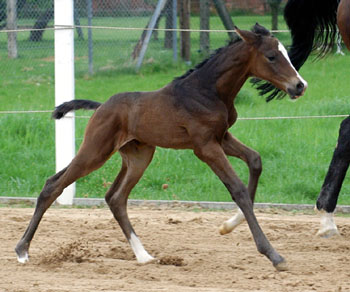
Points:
[(64, 90)]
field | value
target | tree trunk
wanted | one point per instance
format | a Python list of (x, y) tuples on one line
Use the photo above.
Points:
[(137, 49), (274, 5), (185, 9), (204, 25), (225, 17), (41, 23), (274, 15), (168, 39), (12, 25)]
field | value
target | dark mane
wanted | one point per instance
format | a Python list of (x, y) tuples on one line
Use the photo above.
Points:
[(201, 64), (313, 26), (258, 29)]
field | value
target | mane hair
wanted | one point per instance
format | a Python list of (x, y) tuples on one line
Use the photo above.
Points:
[(313, 25), (258, 29), (201, 64)]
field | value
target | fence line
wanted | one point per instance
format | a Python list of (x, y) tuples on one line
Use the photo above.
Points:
[(25, 112), (60, 27), (242, 119)]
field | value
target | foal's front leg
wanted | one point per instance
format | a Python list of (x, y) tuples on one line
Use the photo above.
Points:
[(233, 147), (212, 154)]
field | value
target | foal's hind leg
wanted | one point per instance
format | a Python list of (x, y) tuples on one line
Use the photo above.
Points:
[(90, 157), (136, 158), (233, 147)]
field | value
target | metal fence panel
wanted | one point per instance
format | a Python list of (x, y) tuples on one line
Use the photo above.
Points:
[(108, 33)]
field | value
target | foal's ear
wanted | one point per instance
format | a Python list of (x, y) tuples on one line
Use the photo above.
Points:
[(247, 36)]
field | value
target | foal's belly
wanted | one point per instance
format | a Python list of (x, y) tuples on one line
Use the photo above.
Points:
[(163, 135)]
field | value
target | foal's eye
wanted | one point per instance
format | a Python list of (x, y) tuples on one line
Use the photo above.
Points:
[(271, 58)]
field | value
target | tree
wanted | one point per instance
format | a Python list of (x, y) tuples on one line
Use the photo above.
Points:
[(274, 5), (46, 16), (3, 14), (43, 19)]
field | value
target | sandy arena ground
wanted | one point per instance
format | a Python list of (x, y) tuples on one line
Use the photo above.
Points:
[(85, 250)]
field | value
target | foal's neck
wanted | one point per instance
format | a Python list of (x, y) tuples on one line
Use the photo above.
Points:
[(232, 72), (223, 75)]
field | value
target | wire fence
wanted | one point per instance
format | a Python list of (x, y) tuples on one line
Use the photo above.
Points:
[(109, 34), (108, 38), (15, 112)]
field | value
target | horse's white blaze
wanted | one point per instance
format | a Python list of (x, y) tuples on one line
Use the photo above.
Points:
[(141, 254), (328, 227), (23, 259), (232, 223), (284, 52)]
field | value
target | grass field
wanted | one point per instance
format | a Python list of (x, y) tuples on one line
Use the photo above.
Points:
[(295, 153)]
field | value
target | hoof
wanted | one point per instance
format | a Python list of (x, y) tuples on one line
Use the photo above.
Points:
[(282, 266), (327, 233), (22, 253), (149, 260), (24, 258), (223, 229), (328, 228), (232, 223)]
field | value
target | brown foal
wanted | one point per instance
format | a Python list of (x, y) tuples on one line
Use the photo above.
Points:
[(194, 111)]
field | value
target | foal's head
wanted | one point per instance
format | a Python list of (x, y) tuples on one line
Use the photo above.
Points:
[(270, 61)]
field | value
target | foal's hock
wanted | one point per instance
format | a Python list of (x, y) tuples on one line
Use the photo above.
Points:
[(194, 111)]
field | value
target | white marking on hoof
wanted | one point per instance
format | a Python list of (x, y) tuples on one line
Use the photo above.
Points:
[(142, 256), (328, 227), (23, 259), (232, 223)]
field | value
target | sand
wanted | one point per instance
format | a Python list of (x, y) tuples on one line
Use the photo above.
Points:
[(85, 250)]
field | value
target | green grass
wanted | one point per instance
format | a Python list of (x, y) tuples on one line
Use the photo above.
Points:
[(295, 153)]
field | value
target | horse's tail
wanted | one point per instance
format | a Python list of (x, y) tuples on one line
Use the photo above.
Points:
[(73, 105), (313, 25)]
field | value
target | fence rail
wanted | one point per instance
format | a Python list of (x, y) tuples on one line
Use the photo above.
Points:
[(60, 27), (240, 118)]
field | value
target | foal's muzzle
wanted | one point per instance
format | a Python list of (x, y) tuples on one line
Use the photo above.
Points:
[(297, 90)]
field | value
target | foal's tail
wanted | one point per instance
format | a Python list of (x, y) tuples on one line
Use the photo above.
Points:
[(73, 105)]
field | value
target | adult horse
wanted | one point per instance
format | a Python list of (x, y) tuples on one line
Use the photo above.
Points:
[(194, 112), (313, 25)]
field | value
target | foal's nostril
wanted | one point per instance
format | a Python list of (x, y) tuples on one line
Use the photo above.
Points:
[(300, 86), (297, 90)]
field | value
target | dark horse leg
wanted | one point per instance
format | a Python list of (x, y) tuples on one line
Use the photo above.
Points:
[(233, 147), (136, 157), (213, 154), (92, 155), (328, 197), (327, 200)]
